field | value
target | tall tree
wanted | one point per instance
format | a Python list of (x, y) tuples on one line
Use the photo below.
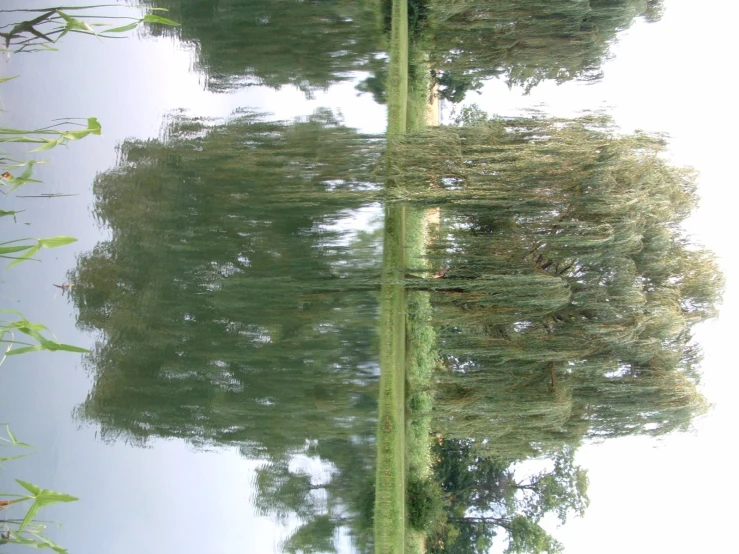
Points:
[(339, 497), (489, 498), (566, 291), (528, 41), (234, 308), (231, 309)]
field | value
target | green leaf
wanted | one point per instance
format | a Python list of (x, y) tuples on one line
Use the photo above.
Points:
[(93, 125), (28, 171), (42, 497), (150, 18), (28, 327), (21, 139), (48, 144), (7, 458), (6, 79), (75, 135), (4, 213), (11, 436), (12, 249), (24, 177), (25, 350), (45, 46), (55, 242), (14, 440), (30, 487), (9, 131), (48, 543), (124, 28), (74, 24), (70, 348), (27, 256), (30, 514)]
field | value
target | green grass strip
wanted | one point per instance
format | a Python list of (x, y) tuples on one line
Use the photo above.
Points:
[(390, 483)]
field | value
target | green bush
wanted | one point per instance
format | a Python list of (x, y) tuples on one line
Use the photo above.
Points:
[(424, 504)]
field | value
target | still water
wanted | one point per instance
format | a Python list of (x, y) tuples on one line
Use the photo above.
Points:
[(162, 494), (294, 324)]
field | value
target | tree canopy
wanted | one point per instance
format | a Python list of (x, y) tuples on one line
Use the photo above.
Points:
[(566, 290), (230, 307), (528, 41), (310, 44), (492, 499)]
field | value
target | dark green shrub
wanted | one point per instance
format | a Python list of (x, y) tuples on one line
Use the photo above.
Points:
[(424, 504)]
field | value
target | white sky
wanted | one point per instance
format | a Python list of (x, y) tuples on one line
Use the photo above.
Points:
[(677, 76)]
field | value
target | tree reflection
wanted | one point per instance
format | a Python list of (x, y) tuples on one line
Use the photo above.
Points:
[(232, 306), (310, 44)]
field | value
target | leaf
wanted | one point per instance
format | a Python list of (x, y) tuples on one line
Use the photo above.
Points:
[(42, 497), (55, 242), (9, 131), (6, 79), (48, 144), (48, 543), (24, 177), (124, 28), (7, 458), (93, 125), (75, 135), (14, 440), (12, 249), (28, 171), (30, 514), (69, 348), (150, 18), (20, 139), (28, 327), (27, 256), (4, 213), (25, 350), (45, 46), (30, 487), (74, 24), (11, 436)]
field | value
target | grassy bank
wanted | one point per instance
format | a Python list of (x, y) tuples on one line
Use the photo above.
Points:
[(420, 362), (390, 483), (420, 338), (407, 340)]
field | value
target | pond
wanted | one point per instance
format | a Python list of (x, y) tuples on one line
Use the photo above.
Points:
[(317, 322)]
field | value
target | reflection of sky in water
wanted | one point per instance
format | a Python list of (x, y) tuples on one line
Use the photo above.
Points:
[(166, 497)]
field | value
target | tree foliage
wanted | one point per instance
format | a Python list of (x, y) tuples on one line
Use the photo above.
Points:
[(491, 499), (223, 296), (310, 44), (324, 501), (566, 290), (529, 41), (232, 307)]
